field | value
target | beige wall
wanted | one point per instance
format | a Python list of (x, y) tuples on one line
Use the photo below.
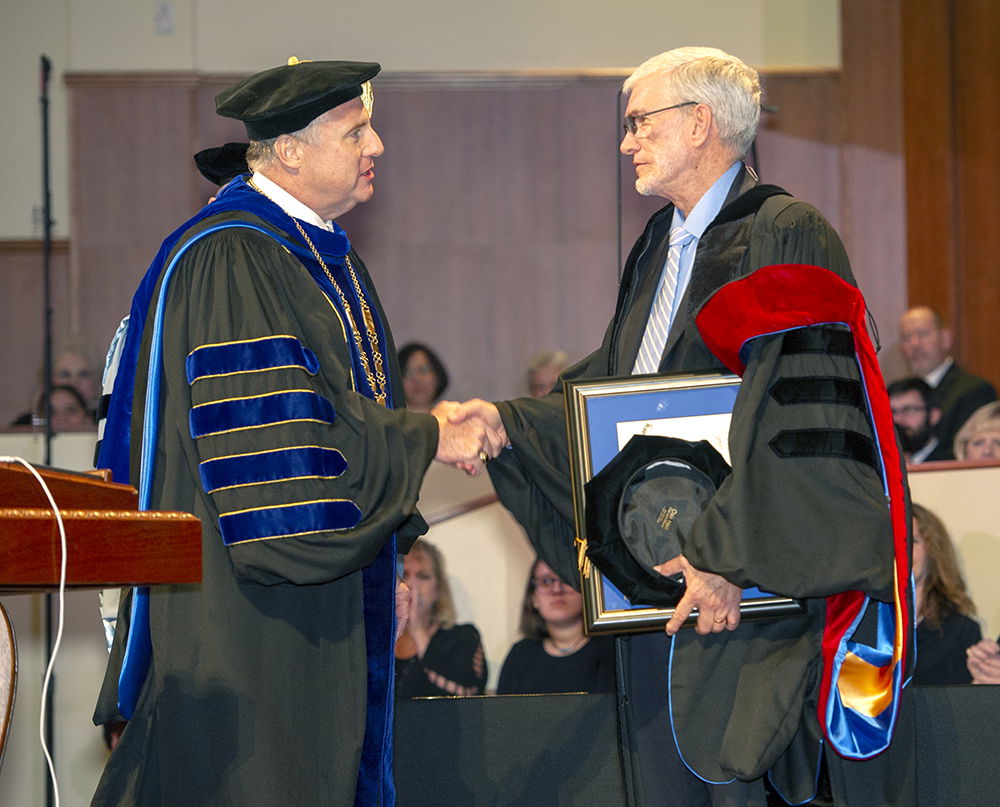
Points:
[(215, 35), (227, 36), (30, 29)]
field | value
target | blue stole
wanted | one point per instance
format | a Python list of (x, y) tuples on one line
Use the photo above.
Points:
[(375, 784)]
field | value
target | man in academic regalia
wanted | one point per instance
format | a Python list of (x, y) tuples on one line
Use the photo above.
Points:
[(733, 275), (257, 388)]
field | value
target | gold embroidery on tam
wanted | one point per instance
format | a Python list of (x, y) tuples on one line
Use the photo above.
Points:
[(666, 517)]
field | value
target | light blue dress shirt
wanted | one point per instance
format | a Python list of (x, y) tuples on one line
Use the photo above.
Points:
[(697, 220)]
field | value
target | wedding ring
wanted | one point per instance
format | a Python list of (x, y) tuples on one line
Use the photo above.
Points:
[(719, 620), (483, 456)]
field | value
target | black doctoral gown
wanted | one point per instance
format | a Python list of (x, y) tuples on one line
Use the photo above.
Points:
[(804, 527), (265, 678)]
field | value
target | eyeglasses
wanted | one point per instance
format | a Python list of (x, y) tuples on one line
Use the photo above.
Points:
[(909, 409), (546, 582), (423, 369), (633, 122)]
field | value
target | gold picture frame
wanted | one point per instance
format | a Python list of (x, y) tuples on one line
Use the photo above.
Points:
[(602, 415)]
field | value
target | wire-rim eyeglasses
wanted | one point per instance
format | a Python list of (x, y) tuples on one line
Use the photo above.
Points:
[(633, 122)]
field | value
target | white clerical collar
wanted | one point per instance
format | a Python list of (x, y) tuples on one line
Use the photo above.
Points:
[(934, 376), (292, 206)]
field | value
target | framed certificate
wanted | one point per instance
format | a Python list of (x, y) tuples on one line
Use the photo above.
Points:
[(602, 415)]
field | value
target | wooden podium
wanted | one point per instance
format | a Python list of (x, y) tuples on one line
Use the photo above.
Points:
[(109, 543)]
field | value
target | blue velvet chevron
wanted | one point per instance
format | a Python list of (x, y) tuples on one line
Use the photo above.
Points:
[(288, 519), (250, 356), (298, 462), (264, 410)]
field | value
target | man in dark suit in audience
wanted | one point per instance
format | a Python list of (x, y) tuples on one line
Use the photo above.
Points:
[(926, 343)]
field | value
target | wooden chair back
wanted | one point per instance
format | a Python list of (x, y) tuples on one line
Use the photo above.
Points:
[(8, 676)]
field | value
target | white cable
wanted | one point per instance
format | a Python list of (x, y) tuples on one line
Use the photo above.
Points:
[(62, 619)]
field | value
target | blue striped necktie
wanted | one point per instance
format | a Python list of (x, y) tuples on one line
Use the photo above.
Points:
[(655, 337)]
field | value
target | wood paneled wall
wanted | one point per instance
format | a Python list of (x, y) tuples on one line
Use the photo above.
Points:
[(872, 172), (951, 114), (132, 181), (501, 210)]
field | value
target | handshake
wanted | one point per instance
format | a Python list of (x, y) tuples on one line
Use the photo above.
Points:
[(469, 434)]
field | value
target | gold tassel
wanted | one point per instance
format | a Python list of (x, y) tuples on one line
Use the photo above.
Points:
[(582, 561)]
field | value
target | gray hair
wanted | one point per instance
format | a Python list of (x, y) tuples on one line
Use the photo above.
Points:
[(710, 76), (260, 153), (548, 358)]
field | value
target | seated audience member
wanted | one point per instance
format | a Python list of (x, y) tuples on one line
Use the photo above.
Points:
[(926, 343), (945, 629), (544, 370), (69, 411), (424, 376), (434, 656), (984, 662), (979, 437), (73, 365), (916, 414), (555, 655)]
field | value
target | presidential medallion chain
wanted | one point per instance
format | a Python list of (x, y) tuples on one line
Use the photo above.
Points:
[(376, 380)]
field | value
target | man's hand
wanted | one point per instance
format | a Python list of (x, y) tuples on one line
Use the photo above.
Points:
[(463, 440), (481, 410), (402, 607), (717, 600)]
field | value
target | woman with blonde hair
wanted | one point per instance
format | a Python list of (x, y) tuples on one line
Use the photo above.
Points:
[(979, 437), (945, 628), (434, 656)]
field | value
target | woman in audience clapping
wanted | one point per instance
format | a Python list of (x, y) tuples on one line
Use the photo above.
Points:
[(434, 656), (984, 662)]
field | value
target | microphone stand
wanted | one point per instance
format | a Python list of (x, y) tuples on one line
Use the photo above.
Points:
[(45, 71)]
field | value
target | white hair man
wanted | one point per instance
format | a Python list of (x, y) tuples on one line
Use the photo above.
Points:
[(736, 275)]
